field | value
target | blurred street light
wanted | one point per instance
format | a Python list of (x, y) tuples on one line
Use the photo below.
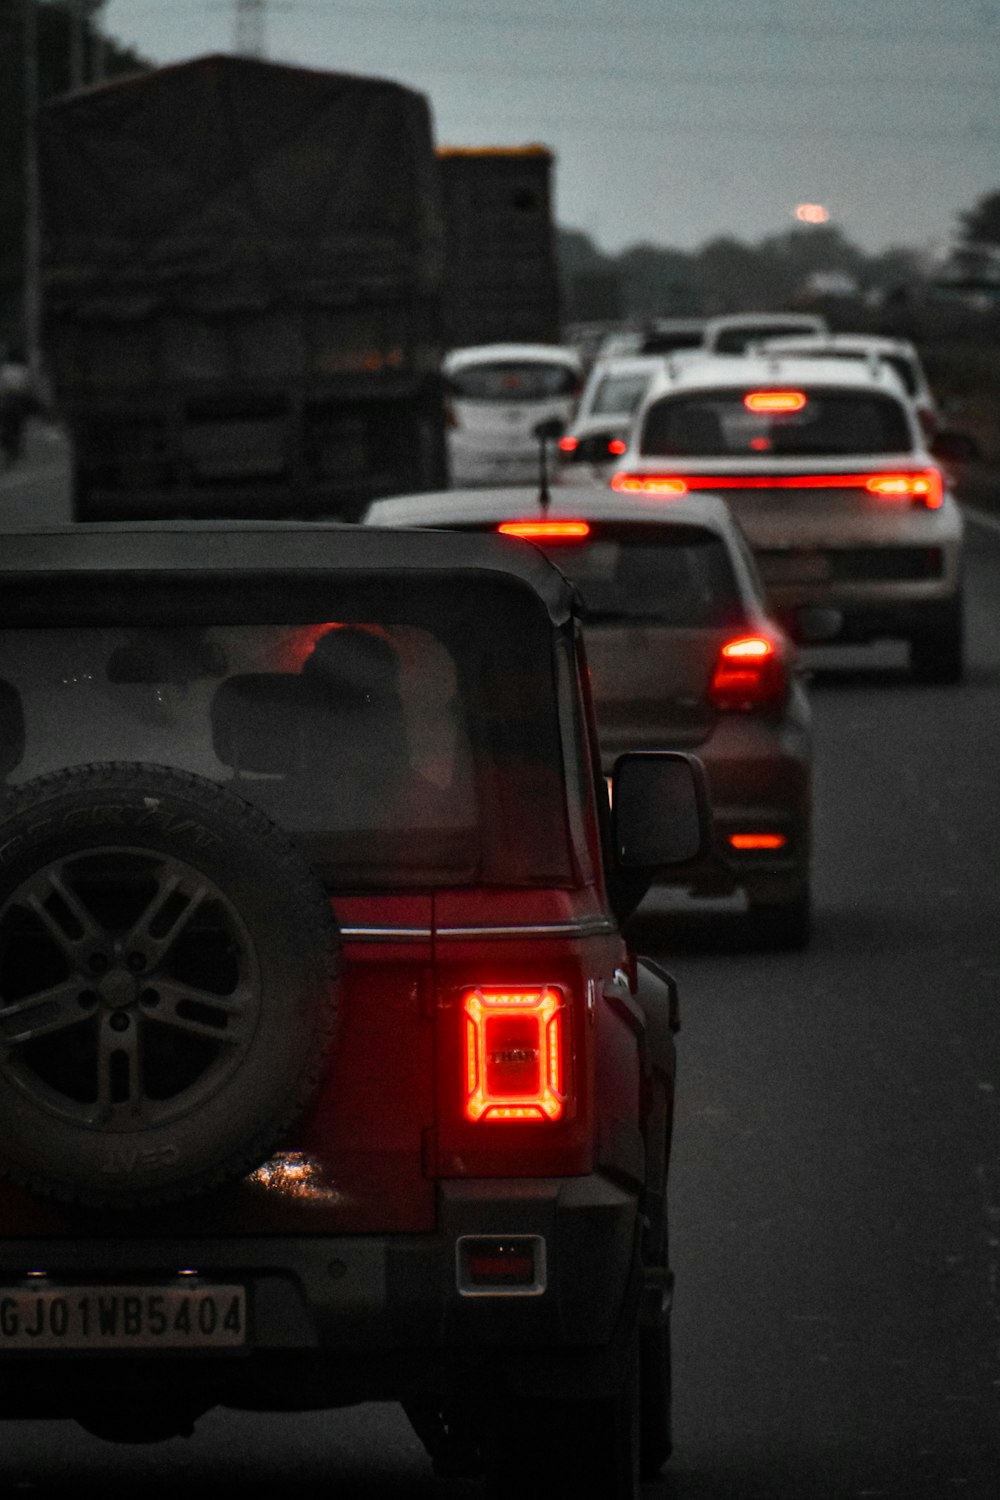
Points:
[(811, 213)]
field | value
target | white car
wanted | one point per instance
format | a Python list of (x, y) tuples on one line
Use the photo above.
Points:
[(592, 445), (498, 396), (733, 333), (899, 353), (824, 464)]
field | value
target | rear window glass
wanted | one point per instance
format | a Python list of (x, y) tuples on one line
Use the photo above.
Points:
[(618, 395), (737, 340), (679, 575), (530, 380), (395, 751), (718, 424)]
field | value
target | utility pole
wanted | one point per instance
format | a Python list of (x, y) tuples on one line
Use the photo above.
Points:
[(32, 315), (249, 37)]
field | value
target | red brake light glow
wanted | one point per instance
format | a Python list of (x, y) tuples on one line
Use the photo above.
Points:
[(744, 841), (924, 488), (568, 444), (648, 484), (767, 401), (546, 531), (617, 446), (749, 674), (919, 487), (514, 1054)]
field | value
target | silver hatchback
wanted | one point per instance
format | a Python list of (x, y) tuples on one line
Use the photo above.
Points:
[(683, 656)]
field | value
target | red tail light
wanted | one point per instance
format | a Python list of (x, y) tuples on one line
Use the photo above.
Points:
[(546, 531), (648, 484), (514, 1054), (919, 487), (617, 446), (568, 444), (749, 674), (756, 841), (923, 488)]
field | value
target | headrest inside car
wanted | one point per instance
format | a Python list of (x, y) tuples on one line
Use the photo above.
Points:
[(256, 720)]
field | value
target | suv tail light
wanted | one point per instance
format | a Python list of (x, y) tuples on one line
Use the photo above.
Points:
[(750, 674), (920, 488), (514, 1053)]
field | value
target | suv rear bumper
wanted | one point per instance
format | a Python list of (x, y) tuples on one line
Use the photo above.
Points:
[(336, 1319)]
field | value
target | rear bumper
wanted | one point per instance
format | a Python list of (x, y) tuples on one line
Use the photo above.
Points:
[(334, 1320)]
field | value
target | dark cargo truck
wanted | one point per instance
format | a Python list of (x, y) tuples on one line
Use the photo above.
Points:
[(241, 277), (501, 276)]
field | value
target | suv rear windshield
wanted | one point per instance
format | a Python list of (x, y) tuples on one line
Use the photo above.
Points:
[(502, 380), (417, 745), (718, 424), (673, 575)]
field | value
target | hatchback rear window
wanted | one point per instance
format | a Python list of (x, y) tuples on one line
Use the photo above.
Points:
[(502, 380), (618, 395), (718, 424), (671, 575)]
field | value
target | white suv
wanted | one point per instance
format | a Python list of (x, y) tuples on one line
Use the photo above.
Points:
[(824, 464)]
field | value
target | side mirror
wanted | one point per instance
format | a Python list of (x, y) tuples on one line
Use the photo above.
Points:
[(660, 811), (956, 448), (548, 432)]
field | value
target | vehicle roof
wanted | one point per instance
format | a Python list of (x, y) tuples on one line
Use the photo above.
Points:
[(625, 364), (749, 319), (520, 502), (745, 371), (112, 550), (877, 343), (475, 354)]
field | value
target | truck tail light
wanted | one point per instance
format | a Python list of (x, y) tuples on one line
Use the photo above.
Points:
[(747, 842), (749, 674), (514, 1053)]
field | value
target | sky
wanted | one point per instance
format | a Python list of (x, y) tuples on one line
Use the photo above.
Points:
[(673, 121)]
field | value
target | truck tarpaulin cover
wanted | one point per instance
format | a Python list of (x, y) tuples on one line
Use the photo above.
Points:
[(227, 183)]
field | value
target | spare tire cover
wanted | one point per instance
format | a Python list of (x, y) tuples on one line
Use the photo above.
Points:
[(169, 969)]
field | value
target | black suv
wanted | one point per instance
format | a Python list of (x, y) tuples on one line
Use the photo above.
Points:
[(325, 1072)]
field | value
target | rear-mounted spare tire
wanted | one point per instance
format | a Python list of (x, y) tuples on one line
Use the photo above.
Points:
[(169, 969)]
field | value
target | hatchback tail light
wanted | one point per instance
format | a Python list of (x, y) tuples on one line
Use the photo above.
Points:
[(750, 673), (923, 488), (648, 484), (514, 1053)]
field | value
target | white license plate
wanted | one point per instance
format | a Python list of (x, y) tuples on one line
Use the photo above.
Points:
[(123, 1317)]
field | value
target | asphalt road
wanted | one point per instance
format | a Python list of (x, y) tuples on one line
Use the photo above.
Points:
[(836, 1183)]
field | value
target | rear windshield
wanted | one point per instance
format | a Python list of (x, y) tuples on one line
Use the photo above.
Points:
[(396, 749), (718, 424), (673, 575), (618, 395), (736, 340), (503, 380)]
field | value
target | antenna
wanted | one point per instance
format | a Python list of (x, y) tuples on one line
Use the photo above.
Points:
[(248, 38)]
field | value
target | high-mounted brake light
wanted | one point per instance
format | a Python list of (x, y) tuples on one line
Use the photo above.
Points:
[(749, 674), (568, 444), (514, 1054), (757, 841), (923, 488), (546, 531), (766, 401), (648, 484)]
